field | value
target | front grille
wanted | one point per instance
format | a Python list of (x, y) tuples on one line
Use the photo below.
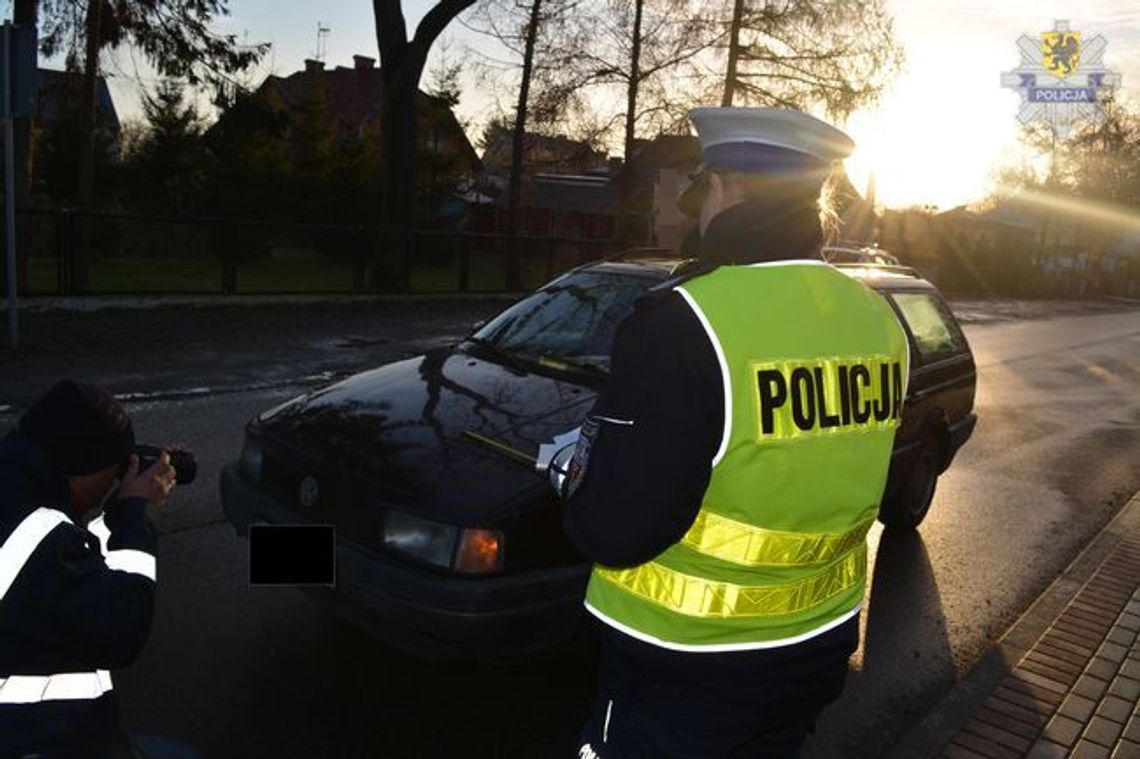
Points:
[(345, 499), (282, 478)]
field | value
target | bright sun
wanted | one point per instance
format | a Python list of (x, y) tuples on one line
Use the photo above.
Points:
[(920, 154)]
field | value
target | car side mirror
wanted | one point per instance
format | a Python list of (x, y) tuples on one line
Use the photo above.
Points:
[(554, 459), (478, 326), (559, 470)]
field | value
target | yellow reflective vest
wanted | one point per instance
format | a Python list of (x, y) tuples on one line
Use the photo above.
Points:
[(815, 367)]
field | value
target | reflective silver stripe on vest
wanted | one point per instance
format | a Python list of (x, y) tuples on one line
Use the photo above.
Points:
[(135, 562), (123, 559), (98, 528), (68, 686), (23, 541)]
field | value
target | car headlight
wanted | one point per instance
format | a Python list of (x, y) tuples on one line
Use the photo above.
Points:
[(480, 552), (251, 459), (471, 551)]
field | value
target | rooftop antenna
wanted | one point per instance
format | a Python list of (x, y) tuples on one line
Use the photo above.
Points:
[(322, 41)]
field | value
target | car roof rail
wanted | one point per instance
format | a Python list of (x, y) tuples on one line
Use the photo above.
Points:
[(891, 268), (643, 251)]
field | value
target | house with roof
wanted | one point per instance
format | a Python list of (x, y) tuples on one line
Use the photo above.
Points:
[(54, 89), (573, 214), (58, 95), (630, 204), (542, 154), (1050, 246), (588, 195), (347, 100), (657, 174), (565, 193), (56, 137)]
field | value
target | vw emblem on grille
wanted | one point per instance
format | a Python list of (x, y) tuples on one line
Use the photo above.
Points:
[(309, 492)]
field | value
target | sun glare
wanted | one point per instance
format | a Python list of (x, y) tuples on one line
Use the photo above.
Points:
[(921, 152), (945, 123)]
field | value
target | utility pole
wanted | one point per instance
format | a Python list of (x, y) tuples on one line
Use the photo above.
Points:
[(25, 14), (18, 64), (10, 192)]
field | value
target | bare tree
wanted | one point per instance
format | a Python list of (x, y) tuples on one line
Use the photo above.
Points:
[(24, 13), (1088, 183), (402, 63), (1099, 162), (534, 35), (1102, 161), (836, 55), (650, 50), (640, 71)]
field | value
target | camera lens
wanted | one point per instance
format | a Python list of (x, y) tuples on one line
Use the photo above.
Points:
[(185, 466), (184, 463)]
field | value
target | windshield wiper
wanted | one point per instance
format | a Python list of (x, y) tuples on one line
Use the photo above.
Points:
[(507, 357), (588, 367)]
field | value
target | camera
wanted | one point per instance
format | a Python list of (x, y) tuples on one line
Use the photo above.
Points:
[(184, 463)]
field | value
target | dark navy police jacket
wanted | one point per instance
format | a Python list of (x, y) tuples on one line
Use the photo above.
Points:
[(75, 603)]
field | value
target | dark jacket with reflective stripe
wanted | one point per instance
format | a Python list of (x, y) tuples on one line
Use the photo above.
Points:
[(66, 611)]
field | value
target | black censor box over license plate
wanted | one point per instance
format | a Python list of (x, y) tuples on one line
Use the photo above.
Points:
[(286, 554)]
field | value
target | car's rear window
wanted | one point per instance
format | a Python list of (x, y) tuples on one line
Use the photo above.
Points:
[(936, 334)]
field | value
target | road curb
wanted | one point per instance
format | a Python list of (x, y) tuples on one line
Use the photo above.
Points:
[(89, 303), (1017, 700), (43, 304)]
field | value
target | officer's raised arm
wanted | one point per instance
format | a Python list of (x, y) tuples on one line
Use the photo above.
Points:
[(643, 459)]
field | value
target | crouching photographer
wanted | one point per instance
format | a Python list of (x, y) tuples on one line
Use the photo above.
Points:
[(77, 593)]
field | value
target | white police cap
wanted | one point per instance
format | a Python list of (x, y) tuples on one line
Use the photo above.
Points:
[(769, 140)]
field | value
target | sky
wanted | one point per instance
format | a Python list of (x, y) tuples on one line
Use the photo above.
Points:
[(936, 137)]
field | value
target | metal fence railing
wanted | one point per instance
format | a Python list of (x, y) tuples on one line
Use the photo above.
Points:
[(67, 252)]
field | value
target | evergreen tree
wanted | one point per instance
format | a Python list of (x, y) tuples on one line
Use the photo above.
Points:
[(166, 166)]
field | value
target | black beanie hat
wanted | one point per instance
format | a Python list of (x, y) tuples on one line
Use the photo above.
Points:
[(82, 426)]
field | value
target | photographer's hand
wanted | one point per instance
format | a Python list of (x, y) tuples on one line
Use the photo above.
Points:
[(153, 485)]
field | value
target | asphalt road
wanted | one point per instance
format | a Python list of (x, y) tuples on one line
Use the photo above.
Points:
[(1055, 454), (257, 672)]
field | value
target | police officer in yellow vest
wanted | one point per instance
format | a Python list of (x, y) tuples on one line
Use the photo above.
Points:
[(728, 474)]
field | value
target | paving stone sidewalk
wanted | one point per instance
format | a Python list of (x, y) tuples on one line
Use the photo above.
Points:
[(1075, 690)]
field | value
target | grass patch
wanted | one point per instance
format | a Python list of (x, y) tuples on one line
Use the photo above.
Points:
[(294, 276), (272, 275), (487, 273), (43, 276), (155, 275)]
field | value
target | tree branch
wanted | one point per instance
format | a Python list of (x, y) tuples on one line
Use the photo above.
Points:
[(436, 20)]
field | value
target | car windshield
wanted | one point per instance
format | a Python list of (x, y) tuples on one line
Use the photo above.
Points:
[(570, 322)]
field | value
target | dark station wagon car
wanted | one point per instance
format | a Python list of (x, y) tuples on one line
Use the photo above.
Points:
[(449, 542)]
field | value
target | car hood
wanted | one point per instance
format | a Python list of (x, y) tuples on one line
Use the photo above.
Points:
[(435, 433)]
